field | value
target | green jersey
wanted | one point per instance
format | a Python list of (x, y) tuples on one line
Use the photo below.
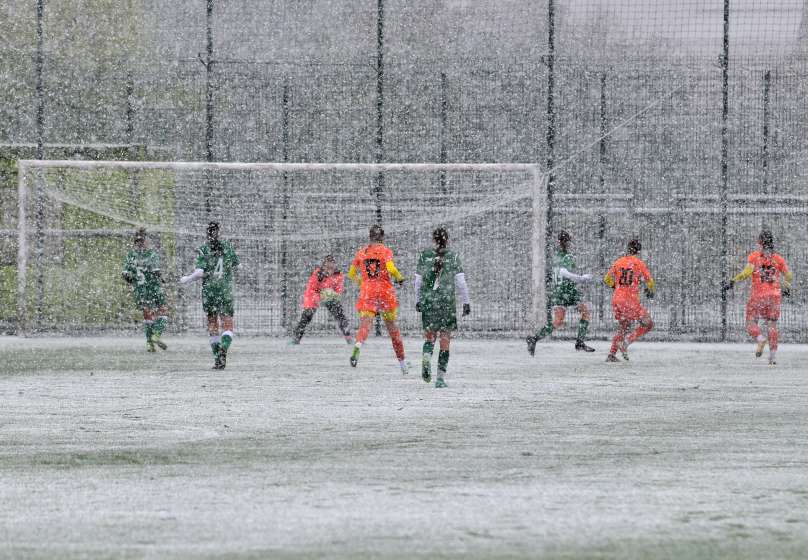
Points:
[(217, 282), (565, 292), (437, 294), (142, 270)]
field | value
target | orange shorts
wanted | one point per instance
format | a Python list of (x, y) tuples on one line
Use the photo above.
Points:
[(627, 310), (763, 307), (378, 302)]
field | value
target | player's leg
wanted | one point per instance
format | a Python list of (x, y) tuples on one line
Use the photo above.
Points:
[(148, 327), (366, 317), (426, 359), (300, 328), (215, 339), (772, 316), (646, 324), (336, 311), (389, 318), (555, 320), (443, 358), (228, 334), (585, 309), (618, 340), (753, 315), (160, 325)]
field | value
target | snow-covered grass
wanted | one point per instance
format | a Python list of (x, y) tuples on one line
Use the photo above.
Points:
[(688, 451)]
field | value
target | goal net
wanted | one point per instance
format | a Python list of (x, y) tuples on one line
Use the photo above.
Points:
[(77, 219)]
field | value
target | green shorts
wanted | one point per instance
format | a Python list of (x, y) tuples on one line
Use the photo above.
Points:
[(565, 298), (218, 305), (439, 318), (149, 299)]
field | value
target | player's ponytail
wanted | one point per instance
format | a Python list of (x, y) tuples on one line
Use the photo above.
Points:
[(441, 238)]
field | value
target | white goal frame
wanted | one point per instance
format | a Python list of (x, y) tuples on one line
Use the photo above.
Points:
[(539, 205)]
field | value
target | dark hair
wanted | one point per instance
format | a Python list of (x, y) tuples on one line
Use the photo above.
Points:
[(213, 237), (564, 239), (376, 233), (321, 275), (140, 235), (766, 239), (441, 238), (634, 246)]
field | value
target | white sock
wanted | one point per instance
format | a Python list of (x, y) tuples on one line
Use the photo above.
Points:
[(760, 338)]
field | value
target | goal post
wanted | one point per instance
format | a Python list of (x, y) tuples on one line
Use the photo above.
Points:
[(76, 220)]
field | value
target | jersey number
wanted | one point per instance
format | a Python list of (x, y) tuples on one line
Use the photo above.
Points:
[(373, 267), (141, 278), (768, 274), (218, 272), (626, 277)]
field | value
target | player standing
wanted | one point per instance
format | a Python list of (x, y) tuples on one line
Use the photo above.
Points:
[(325, 285), (624, 277), (438, 272), (216, 262), (565, 294), (141, 271), (765, 267), (374, 270)]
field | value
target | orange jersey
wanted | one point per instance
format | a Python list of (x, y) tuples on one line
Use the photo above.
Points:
[(625, 276), (766, 272)]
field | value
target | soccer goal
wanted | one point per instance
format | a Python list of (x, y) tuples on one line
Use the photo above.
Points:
[(76, 220)]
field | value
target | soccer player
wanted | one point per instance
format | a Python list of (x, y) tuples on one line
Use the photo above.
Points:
[(624, 277), (766, 268), (374, 270), (439, 271), (325, 285), (216, 262), (141, 271), (565, 294)]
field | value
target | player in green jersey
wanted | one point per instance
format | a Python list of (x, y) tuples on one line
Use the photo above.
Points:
[(216, 262), (565, 294), (141, 271), (438, 272)]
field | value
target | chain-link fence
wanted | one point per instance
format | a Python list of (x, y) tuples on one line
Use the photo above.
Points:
[(680, 122)]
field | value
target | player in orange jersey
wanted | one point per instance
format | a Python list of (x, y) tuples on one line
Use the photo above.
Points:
[(766, 269), (374, 270), (624, 277)]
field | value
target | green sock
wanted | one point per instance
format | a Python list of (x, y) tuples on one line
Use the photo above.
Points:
[(546, 330), (443, 361), (159, 325), (227, 340), (583, 326), (214, 345), (148, 328), (428, 348)]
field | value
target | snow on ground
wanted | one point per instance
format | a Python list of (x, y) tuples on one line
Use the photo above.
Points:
[(687, 451)]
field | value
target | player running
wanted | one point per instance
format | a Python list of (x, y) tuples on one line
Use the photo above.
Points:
[(624, 277), (438, 272), (325, 285), (141, 271), (565, 294), (216, 262), (765, 267), (374, 270)]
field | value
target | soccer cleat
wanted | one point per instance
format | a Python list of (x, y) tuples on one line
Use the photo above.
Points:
[(624, 350), (612, 358), (294, 342), (531, 345), (155, 339), (440, 383), (759, 348), (217, 362), (150, 346), (772, 361), (581, 346), (405, 367), (354, 356)]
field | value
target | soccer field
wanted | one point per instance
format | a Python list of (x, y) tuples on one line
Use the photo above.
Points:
[(688, 451)]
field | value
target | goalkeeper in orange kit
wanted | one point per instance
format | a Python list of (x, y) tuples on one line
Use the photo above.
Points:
[(771, 279), (374, 270), (624, 276)]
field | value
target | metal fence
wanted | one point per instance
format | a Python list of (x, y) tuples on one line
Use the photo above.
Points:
[(683, 123)]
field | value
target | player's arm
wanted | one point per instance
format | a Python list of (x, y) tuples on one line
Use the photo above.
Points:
[(463, 288), (788, 276), (577, 278), (742, 275), (312, 286), (353, 274), (608, 279), (340, 282), (393, 271), (128, 274), (199, 271)]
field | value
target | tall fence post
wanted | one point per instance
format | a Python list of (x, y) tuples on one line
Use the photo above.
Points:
[(602, 183), (767, 78), (723, 194), (444, 105), (40, 154), (285, 208), (379, 120), (551, 131), (209, 109)]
